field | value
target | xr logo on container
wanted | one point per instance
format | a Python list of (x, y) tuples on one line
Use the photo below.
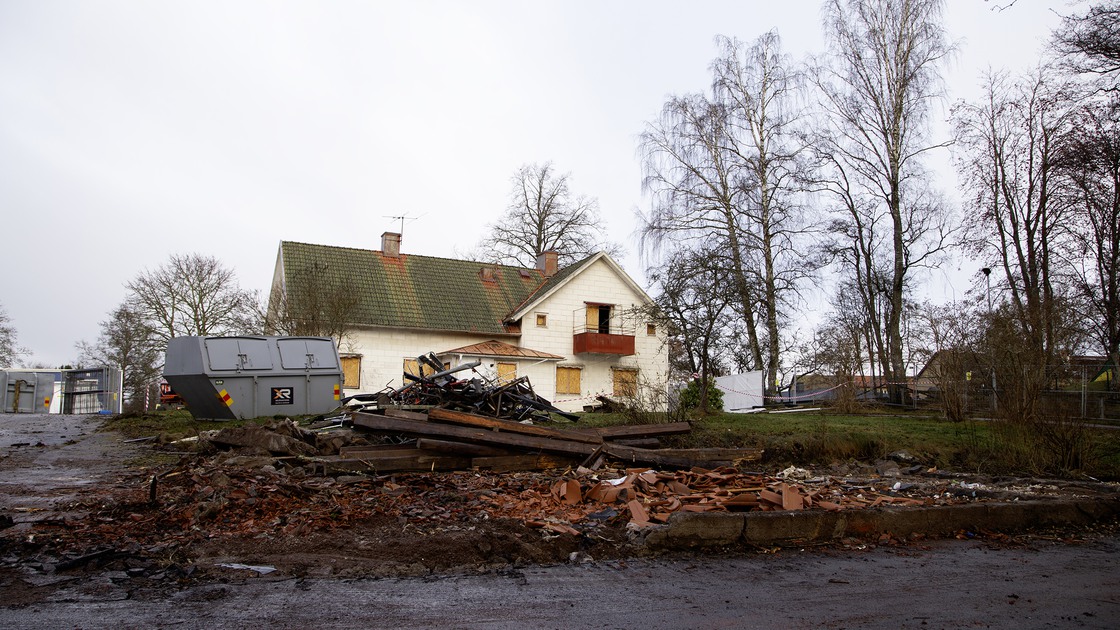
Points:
[(282, 395)]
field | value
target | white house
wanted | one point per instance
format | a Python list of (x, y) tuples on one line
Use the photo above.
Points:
[(574, 332)]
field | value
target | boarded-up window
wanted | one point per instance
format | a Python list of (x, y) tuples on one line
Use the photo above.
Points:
[(567, 380), (506, 372), (542, 320), (625, 383), (412, 366), (352, 372)]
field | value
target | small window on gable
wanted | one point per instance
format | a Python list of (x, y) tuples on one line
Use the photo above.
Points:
[(651, 329), (542, 320)]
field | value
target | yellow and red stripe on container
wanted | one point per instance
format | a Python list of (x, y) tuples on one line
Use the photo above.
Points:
[(226, 398), (337, 391)]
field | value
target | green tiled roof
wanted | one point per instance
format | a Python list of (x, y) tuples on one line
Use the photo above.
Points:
[(418, 291)]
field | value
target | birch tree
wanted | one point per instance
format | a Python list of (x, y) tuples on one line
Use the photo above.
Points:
[(729, 169), (878, 85)]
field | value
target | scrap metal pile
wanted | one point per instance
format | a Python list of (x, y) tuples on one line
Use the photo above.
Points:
[(513, 400)]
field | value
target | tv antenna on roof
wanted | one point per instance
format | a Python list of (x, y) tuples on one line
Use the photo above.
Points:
[(402, 218)]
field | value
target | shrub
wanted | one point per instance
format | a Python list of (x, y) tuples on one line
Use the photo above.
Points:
[(690, 396)]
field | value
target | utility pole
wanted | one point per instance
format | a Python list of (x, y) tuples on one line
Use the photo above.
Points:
[(987, 271)]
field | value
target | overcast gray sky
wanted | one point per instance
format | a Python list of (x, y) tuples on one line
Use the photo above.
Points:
[(131, 130)]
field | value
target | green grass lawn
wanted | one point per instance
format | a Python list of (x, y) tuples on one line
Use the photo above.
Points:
[(821, 438), (169, 425)]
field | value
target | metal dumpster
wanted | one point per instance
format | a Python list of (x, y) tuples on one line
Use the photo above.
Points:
[(27, 391), (251, 377)]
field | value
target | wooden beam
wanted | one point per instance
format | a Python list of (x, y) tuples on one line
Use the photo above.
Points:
[(643, 430), (474, 435), (639, 442), (513, 463), (393, 463), (406, 414), (475, 420), (637, 431), (461, 448)]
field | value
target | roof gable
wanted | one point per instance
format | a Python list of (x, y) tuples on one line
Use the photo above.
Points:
[(564, 276)]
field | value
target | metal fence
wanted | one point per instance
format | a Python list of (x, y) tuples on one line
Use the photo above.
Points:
[(92, 391)]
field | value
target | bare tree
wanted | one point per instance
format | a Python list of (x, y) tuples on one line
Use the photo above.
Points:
[(878, 85), (1009, 162), (10, 350), (313, 301), (128, 343), (693, 181), (1091, 163), (729, 169), (1090, 43), (763, 90), (193, 295), (545, 215), (693, 298)]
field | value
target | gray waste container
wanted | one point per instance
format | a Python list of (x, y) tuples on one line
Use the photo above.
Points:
[(251, 377), (27, 391)]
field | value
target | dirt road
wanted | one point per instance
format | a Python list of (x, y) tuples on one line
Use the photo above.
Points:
[(51, 466), (950, 584)]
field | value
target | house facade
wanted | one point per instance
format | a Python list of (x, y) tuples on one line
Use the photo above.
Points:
[(576, 331)]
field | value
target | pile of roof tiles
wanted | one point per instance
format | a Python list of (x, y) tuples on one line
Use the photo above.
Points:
[(213, 499)]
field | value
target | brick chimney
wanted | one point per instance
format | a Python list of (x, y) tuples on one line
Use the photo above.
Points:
[(547, 263), (391, 244)]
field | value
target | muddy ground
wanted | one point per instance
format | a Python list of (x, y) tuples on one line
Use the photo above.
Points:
[(78, 520)]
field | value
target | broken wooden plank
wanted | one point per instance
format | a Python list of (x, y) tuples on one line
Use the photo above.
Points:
[(397, 463), (514, 463), (360, 452), (406, 414), (474, 435), (461, 448), (475, 420), (651, 456), (651, 442), (642, 430)]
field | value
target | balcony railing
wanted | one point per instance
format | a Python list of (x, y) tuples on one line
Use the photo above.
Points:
[(610, 336)]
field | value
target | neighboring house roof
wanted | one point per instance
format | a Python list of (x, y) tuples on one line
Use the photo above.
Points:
[(494, 348), (424, 292)]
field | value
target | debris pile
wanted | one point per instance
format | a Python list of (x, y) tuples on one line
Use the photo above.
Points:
[(215, 500), (453, 440), (514, 400)]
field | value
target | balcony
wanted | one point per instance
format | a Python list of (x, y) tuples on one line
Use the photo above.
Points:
[(608, 334), (602, 343)]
